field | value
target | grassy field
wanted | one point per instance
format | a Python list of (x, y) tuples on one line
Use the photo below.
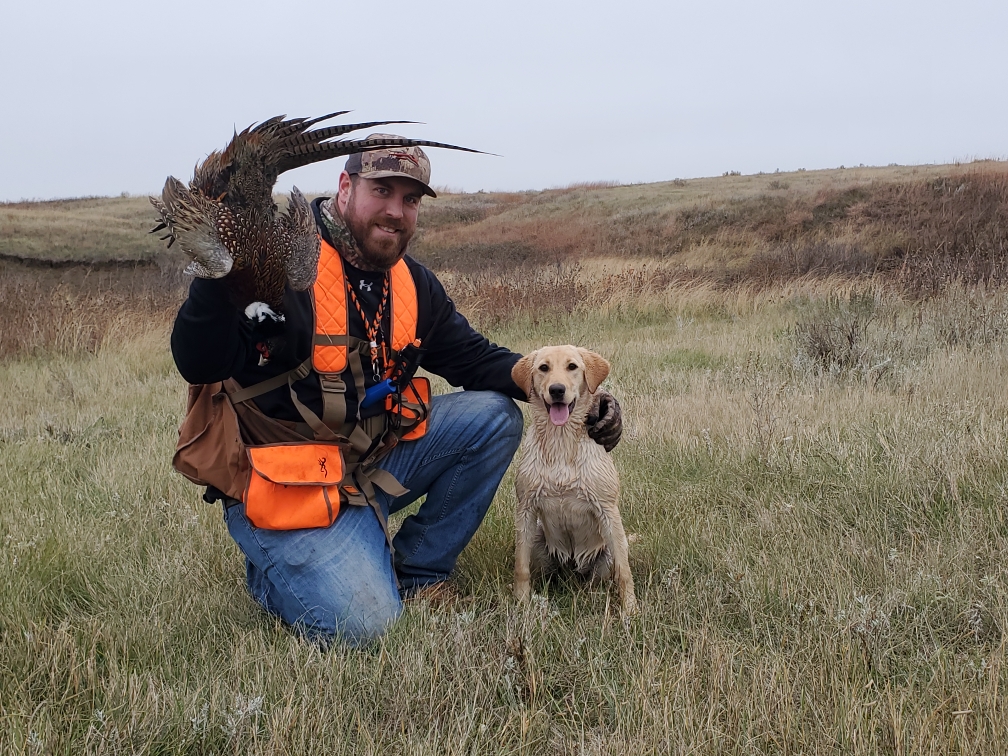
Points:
[(814, 467)]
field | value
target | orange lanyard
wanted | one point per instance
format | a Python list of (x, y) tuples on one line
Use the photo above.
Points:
[(372, 328)]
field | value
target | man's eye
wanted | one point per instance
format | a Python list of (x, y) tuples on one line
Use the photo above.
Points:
[(544, 368)]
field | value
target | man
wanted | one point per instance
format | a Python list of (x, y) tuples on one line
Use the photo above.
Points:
[(339, 580)]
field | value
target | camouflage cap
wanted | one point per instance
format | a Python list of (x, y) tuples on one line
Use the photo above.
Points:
[(408, 162)]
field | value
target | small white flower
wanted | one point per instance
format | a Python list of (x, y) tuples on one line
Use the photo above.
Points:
[(199, 721)]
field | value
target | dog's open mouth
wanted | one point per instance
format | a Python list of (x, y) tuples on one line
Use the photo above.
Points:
[(559, 412)]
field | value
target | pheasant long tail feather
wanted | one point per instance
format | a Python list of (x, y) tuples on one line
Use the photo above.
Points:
[(299, 125), (307, 154), (320, 135)]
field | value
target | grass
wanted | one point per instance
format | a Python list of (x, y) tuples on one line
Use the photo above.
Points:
[(814, 468), (820, 560), (91, 229)]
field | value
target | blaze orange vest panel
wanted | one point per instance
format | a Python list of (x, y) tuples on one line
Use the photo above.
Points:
[(330, 304), (404, 306)]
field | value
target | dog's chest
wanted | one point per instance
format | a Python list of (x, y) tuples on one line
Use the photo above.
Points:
[(569, 490), (571, 526), (566, 471)]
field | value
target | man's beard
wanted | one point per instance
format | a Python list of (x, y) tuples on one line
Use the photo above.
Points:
[(381, 253)]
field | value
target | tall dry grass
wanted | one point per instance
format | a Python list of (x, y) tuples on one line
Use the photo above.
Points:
[(72, 309), (819, 554)]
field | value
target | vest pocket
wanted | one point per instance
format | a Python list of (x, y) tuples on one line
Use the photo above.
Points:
[(415, 407), (293, 485)]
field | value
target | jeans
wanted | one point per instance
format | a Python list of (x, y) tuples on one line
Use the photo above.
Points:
[(339, 581)]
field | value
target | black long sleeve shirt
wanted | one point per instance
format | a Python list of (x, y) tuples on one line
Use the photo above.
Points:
[(212, 341)]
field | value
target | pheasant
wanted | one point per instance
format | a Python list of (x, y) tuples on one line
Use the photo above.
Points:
[(226, 220)]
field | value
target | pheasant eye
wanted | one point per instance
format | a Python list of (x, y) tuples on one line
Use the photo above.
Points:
[(572, 366)]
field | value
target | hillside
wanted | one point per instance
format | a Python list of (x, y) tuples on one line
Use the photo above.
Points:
[(922, 223), (536, 254)]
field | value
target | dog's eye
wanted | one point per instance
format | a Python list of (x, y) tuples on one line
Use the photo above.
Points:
[(544, 368), (572, 366)]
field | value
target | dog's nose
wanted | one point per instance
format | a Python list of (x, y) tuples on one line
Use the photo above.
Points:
[(557, 392)]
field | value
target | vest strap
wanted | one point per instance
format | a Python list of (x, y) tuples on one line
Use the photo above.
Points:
[(387, 482), (258, 389), (321, 431)]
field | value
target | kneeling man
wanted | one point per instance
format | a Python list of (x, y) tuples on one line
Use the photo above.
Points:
[(372, 310)]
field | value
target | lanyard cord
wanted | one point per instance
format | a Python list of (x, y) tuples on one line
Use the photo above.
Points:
[(372, 328)]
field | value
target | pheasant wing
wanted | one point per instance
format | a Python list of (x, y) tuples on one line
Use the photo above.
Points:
[(303, 257), (196, 224)]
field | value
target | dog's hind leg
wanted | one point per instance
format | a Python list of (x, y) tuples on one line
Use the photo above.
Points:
[(601, 568), (543, 563), (617, 546)]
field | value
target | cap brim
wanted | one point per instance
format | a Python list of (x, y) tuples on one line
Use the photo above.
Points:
[(392, 174)]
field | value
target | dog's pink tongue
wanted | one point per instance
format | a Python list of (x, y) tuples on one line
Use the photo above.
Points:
[(559, 413)]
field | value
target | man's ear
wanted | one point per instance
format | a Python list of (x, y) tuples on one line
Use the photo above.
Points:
[(343, 195), (596, 369), (521, 373)]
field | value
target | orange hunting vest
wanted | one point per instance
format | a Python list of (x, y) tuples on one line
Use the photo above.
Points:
[(287, 484)]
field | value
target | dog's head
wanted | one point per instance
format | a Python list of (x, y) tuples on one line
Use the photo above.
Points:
[(560, 377)]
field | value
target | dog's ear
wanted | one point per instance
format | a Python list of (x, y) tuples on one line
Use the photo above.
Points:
[(596, 369), (521, 373)]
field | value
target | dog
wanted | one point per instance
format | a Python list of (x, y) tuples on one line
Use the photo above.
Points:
[(566, 484)]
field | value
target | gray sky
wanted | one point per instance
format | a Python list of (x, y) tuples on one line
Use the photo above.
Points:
[(110, 96)]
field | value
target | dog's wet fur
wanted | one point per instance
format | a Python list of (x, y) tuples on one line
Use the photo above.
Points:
[(566, 485)]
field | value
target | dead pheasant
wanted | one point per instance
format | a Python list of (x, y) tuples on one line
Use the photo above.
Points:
[(227, 222)]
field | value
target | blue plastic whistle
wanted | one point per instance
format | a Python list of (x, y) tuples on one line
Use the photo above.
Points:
[(378, 392)]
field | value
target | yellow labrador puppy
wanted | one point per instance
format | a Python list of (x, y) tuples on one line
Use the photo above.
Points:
[(566, 484)]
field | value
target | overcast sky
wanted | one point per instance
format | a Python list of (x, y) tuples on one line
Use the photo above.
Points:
[(110, 96)]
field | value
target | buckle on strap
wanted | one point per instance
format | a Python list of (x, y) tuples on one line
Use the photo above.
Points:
[(331, 385)]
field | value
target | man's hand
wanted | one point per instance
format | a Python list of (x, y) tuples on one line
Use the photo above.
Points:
[(605, 420)]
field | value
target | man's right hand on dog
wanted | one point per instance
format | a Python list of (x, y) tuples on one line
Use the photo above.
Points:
[(605, 420)]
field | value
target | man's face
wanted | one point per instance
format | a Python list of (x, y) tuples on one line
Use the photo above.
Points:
[(381, 214)]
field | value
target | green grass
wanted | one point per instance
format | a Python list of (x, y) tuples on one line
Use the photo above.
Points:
[(93, 229), (819, 557)]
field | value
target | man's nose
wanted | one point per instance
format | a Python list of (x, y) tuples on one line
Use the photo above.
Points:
[(394, 208), (557, 392)]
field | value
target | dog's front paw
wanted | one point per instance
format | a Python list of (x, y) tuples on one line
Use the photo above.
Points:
[(629, 605), (522, 590)]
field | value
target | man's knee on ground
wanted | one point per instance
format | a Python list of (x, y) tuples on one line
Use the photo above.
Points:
[(355, 630)]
